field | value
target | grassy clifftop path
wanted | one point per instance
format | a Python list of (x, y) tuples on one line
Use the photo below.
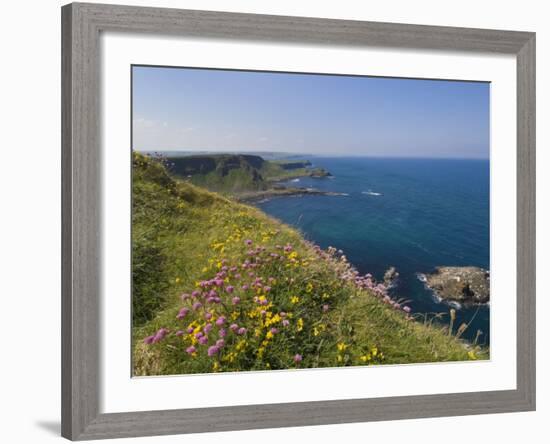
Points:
[(220, 286)]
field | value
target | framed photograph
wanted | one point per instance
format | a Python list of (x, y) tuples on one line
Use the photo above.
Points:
[(278, 221)]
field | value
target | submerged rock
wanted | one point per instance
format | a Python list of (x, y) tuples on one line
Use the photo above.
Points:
[(465, 285)]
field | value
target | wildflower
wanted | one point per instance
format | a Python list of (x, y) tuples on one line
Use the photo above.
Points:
[(149, 339), (195, 293), (218, 282), (208, 316), (241, 331), (213, 350), (297, 358), (282, 314), (294, 299), (220, 321), (220, 343), (199, 334), (180, 333), (300, 325), (274, 331), (203, 340), (190, 330), (267, 289), (236, 300), (207, 328), (341, 346), (191, 349), (182, 313), (286, 322), (407, 309), (233, 327), (326, 308), (229, 289), (472, 355), (184, 296), (196, 306), (248, 242), (245, 287), (223, 332)]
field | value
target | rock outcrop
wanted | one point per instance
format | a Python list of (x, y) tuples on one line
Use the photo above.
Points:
[(465, 285)]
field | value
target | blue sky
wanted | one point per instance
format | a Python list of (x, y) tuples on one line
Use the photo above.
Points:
[(238, 111)]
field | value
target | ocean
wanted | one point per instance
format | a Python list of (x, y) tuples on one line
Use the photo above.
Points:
[(413, 214)]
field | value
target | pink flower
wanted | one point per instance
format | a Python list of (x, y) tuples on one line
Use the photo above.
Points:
[(196, 306), (149, 339), (286, 322), (220, 343), (184, 296), (326, 308), (248, 242), (229, 288), (220, 321), (274, 331), (267, 289), (223, 332), (182, 313), (245, 287), (191, 349), (190, 330), (196, 293), (213, 350), (208, 316), (233, 327), (207, 328), (203, 340), (236, 300), (180, 333), (241, 331), (297, 358), (218, 282), (407, 309)]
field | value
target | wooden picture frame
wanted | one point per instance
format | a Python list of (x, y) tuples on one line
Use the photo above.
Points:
[(81, 167)]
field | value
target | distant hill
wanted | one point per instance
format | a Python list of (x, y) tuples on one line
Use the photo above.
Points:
[(236, 173)]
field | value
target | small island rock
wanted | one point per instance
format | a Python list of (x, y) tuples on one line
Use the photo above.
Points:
[(465, 285)]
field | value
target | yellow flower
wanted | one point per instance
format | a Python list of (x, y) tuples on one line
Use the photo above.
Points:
[(300, 325), (365, 358), (472, 355), (341, 346), (294, 299), (374, 351), (205, 269), (269, 335), (309, 287), (178, 280)]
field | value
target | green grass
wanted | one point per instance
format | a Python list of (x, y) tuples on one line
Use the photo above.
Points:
[(183, 235)]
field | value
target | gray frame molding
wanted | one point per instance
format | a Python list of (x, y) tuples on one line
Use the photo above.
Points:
[(81, 166)]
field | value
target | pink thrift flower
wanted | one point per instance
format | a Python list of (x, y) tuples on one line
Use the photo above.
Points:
[(286, 322), (196, 306), (213, 350), (229, 288), (297, 358), (207, 328), (407, 309), (220, 321), (233, 327), (180, 333), (191, 349), (248, 242), (223, 332), (236, 300), (245, 287), (184, 296), (326, 308), (208, 316), (182, 313), (196, 293), (220, 343), (274, 331), (149, 339), (203, 340), (241, 331)]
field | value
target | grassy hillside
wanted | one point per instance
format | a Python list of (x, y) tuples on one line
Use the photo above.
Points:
[(235, 173), (219, 286)]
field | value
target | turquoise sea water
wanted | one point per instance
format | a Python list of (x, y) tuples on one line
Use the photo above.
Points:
[(414, 214)]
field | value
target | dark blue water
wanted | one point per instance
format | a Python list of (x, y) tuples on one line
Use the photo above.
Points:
[(414, 214)]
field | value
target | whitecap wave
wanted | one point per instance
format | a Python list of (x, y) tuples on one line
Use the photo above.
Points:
[(371, 193)]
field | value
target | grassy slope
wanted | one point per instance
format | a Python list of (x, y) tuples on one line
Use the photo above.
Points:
[(183, 234)]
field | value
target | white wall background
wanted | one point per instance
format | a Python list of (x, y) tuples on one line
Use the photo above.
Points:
[(30, 219)]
